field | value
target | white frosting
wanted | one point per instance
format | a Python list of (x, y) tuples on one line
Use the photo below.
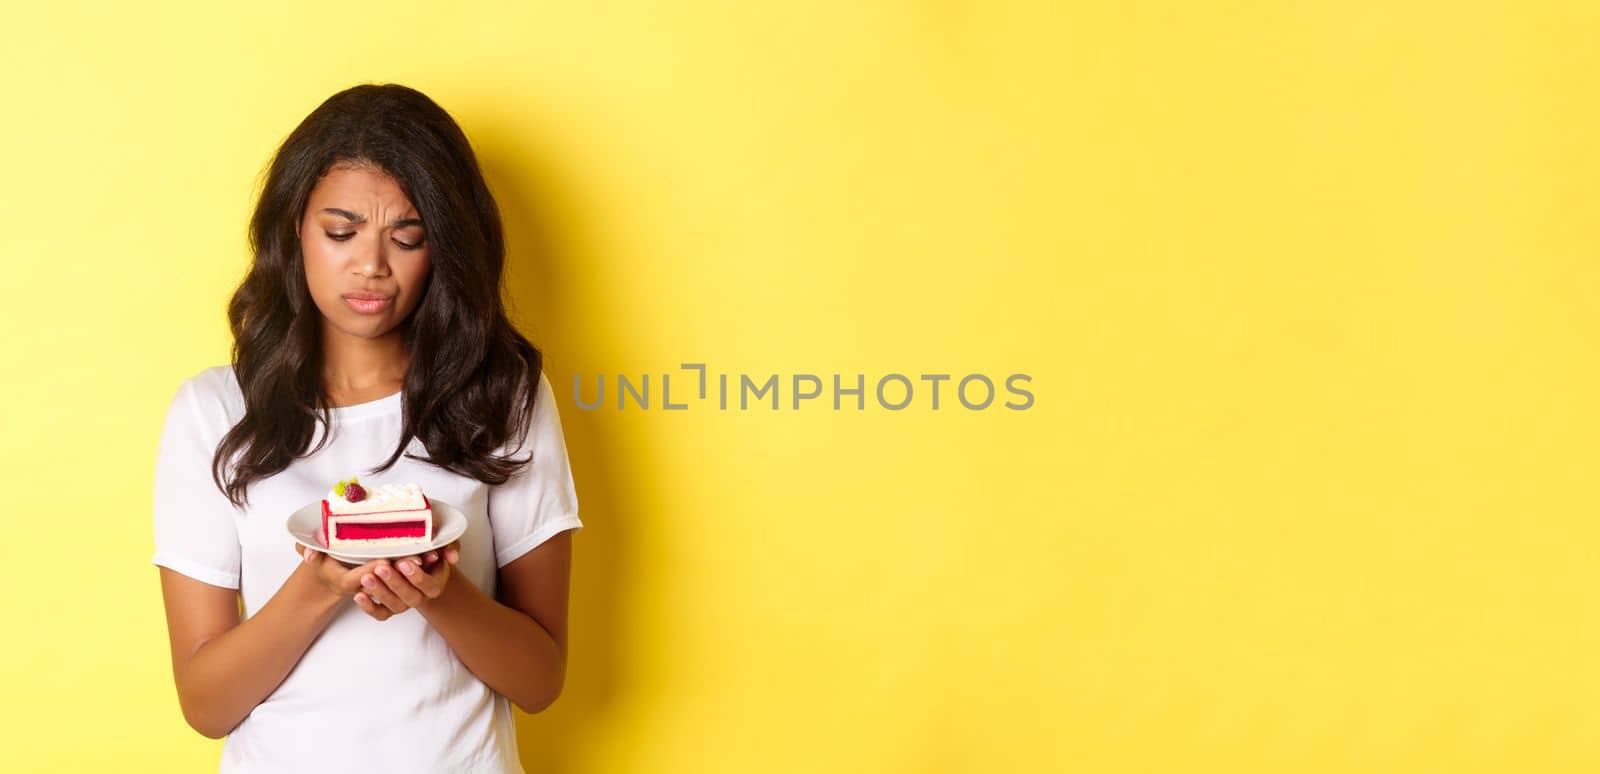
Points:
[(386, 497)]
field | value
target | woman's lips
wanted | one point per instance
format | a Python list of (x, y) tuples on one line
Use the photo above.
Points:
[(367, 304)]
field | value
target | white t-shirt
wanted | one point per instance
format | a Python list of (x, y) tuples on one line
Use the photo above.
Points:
[(368, 695)]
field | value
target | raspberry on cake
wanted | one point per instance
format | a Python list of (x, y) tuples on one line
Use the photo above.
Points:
[(390, 515)]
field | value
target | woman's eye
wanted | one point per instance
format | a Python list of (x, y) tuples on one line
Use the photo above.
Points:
[(338, 237), (405, 246)]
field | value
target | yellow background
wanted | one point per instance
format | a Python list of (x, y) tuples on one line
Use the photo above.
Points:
[(1308, 292)]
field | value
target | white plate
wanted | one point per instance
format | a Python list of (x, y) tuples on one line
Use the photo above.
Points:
[(305, 525)]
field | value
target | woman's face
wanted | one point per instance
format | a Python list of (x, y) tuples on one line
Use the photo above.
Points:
[(365, 251)]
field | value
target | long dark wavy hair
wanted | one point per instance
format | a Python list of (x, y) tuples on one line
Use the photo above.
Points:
[(472, 379)]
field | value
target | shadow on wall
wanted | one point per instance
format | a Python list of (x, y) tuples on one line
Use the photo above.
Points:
[(543, 257)]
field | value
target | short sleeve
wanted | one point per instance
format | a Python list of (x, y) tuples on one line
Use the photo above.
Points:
[(539, 500), (195, 531)]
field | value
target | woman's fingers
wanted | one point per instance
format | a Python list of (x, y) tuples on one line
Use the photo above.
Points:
[(430, 584), (423, 560), (350, 577), (362, 582), (310, 556), (382, 588), (400, 583), (370, 594), (375, 586), (372, 608)]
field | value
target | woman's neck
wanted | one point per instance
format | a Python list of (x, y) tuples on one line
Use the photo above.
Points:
[(352, 365)]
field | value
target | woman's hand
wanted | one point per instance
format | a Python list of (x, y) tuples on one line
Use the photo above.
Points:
[(340, 579), (390, 589)]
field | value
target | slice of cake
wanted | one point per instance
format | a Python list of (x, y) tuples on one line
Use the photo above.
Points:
[(390, 515)]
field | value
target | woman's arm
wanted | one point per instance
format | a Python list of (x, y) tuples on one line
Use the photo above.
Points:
[(224, 668), (517, 647)]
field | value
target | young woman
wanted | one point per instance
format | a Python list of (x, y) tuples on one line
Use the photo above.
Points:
[(370, 340)]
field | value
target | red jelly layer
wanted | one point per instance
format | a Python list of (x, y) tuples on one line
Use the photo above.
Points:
[(379, 529)]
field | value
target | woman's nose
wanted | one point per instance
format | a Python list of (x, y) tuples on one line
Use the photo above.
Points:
[(371, 261)]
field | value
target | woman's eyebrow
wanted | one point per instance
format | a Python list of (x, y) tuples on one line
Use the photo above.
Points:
[(354, 218)]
